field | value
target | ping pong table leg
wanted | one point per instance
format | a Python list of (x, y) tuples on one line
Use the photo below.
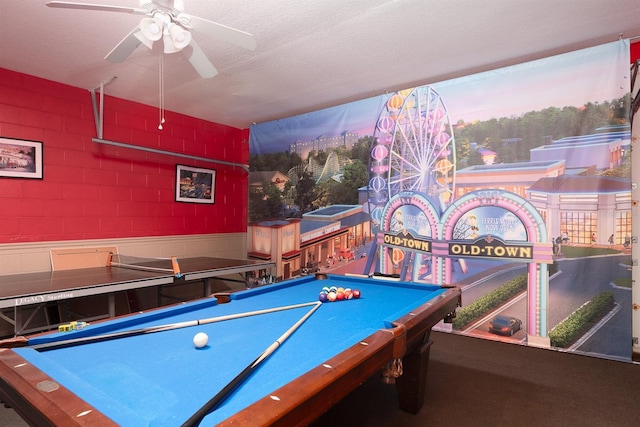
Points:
[(112, 304), (17, 320), (9, 320), (20, 325)]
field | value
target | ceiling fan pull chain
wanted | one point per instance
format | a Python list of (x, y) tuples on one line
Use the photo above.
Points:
[(161, 95)]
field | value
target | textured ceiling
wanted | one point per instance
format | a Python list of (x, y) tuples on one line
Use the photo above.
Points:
[(310, 54)]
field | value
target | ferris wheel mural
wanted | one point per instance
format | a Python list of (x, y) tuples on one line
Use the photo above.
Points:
[(413, 150)]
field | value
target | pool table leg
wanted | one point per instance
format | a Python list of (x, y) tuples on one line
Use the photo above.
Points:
[(411, 385)]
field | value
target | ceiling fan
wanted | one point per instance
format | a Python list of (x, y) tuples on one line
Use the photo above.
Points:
[(172, 25)]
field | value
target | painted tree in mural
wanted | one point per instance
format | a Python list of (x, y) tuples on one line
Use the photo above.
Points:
[(264, 202), (354, 176), (305, 192)]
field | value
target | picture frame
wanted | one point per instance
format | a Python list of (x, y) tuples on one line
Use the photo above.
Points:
[(20, 158), (195, 185)]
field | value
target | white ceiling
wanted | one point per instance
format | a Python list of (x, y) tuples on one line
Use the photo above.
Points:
[(310, 54)]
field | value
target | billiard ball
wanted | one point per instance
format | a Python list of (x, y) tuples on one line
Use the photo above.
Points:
[(331, 296), (356, 293), (200, 339), (325, 289), (348, 294), (339, 296), (340, 289), (323, 297), (333, 289)]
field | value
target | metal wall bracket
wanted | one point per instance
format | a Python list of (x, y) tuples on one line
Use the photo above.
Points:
[(98, 116)]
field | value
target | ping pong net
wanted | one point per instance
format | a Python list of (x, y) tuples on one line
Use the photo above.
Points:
[(158, 265)]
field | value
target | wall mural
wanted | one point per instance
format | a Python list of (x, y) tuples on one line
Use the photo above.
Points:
[(514, 184)]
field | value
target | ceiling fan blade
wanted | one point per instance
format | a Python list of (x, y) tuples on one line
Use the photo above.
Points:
[(90, 6), (200, 62), (223, 32), (124, 48)]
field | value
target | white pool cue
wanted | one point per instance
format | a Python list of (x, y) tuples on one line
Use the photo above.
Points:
[(159, 328)]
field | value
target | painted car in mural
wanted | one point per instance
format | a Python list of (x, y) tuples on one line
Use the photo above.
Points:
[(505, 325)]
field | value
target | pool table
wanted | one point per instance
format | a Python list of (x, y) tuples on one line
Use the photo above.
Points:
[(162, 379)]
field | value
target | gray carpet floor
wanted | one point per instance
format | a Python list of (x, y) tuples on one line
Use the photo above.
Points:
[(478, 382)]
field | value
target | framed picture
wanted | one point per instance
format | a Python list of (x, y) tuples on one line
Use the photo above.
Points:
[(195, 185), (20, 158)]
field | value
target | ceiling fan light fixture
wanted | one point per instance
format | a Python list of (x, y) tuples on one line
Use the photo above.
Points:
[(151, 28), (167, 20), (168, 44), (145, 41), (180, 38)]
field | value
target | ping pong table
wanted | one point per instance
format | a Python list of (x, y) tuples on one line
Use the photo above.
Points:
[(41, 289)]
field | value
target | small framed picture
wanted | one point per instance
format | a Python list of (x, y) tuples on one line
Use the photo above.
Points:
[(195, 185), (20, 158)]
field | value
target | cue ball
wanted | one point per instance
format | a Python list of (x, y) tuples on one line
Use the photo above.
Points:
[(200, 339)]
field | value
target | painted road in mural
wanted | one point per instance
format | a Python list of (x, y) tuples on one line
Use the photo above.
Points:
[(577, 281), (580, 280)]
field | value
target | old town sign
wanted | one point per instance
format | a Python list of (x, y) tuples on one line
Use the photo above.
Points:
[(491, 247), (406, 240)]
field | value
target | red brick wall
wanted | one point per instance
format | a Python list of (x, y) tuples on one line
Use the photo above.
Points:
[(91, 190), (635, 51)]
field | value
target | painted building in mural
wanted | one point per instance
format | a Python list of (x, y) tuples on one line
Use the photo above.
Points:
[(602, 150), (585, 209), (319, 240), (324, 143), (513, 177)]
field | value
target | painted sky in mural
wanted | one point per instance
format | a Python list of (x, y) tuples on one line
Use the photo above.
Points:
[(559, 81)]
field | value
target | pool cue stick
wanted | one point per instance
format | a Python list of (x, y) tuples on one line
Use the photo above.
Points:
[(160, 328), (216, 400)]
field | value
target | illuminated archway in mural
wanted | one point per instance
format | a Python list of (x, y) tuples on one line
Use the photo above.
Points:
[(409, 224), (500, 224), (418, 244)]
